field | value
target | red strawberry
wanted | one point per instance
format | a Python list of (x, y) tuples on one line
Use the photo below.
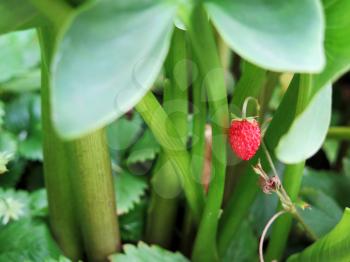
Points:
[(244, 137)]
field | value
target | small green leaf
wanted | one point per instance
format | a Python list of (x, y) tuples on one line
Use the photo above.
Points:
[(129, 190), (308, 131), (107, 60), (146, 148), (132, 223), (27, 240), (145, 253), (38, 203), (123, 132), (277, 35), (332, 247)]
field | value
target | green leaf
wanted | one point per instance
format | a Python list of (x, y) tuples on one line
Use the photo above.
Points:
[(17, 14), (308, 131), (277, 35), (129, 190), (332, 184), (324, 213), (337, 41), (132, 223), (38, 203), (123, 132), (332, 247), (32, 148), (107, 60), (145, 253), (27, 240), (243, 246), (146, 148)]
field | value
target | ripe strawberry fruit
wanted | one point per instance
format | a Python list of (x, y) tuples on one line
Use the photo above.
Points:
[(245, 137)]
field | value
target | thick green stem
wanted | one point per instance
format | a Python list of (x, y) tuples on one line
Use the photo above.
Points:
[(339, 132), (292, 180), (172, 144), (162, 211), (63, 223), (91, 178), (203, 42)]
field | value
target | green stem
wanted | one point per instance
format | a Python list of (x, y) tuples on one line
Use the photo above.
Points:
[(162, 211), (292, 180), (339, 132), (203, 42), (172, 144), (91, 177), (63, 223)]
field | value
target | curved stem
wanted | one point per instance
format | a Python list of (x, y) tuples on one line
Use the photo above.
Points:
[(158, 121), (245, 105), (266, 228)]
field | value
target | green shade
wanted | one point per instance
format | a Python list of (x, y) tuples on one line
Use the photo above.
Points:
[(100, 69), (277, 35), (17, 14), (308, 131), (332, 247)]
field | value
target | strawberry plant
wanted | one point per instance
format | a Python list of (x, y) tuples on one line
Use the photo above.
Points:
[(117, 120)]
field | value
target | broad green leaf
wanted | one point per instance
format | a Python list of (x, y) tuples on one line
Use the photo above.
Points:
[(129, 190), (27, 240), (309, 129), (17, 14), (332, 247), (132, 223), (337, 41), (107, 60), (277, 35), (145, 253), (324, 213), (146, 148)]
